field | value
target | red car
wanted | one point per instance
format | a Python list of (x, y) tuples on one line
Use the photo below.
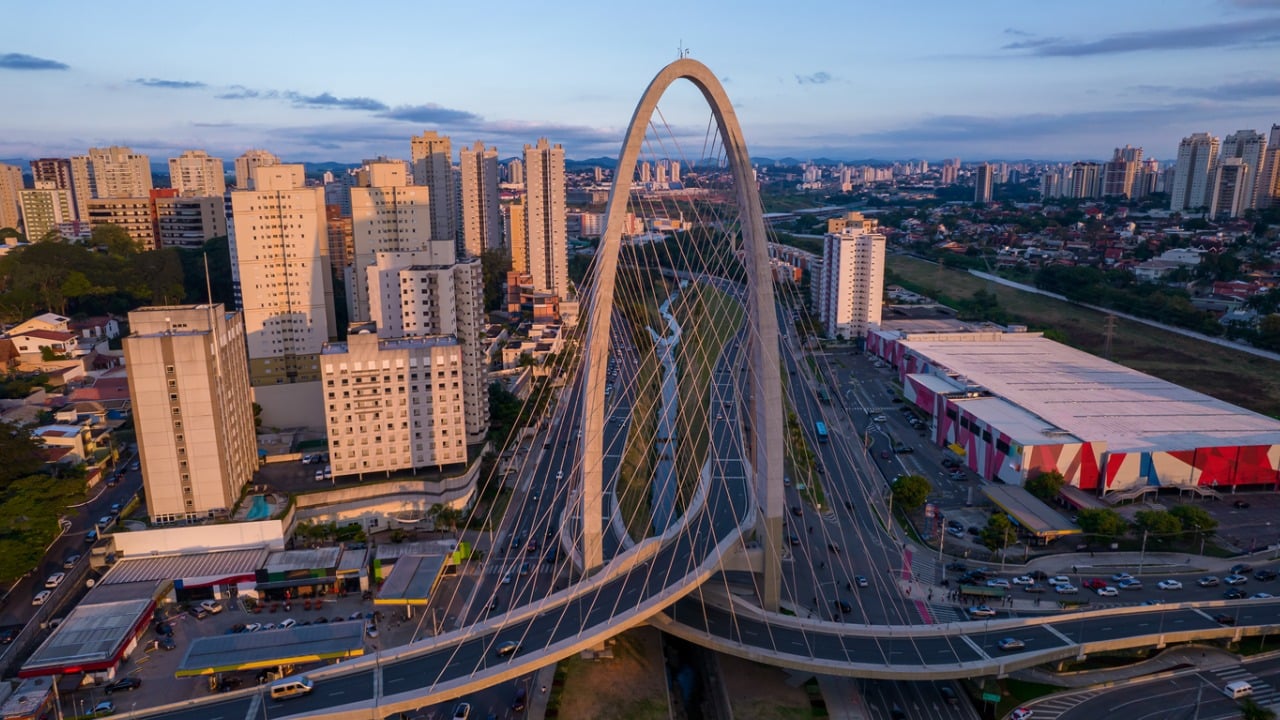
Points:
[(1095, 583)]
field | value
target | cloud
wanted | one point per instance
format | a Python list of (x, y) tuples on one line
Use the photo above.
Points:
[(328, 100), (1253, 32), (168, 84), (19, 61), (1016, 32), (213, 124), (430, 113), (819, 78), (1243, 91), (1256, 4), (240, 92)]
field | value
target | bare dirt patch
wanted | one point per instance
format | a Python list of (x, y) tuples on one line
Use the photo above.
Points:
[(631, 686), (760, 692)]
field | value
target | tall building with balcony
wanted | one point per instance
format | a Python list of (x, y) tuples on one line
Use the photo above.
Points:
[(1232, 184), (412, 295), (517, 240), (192, 409), (11, 187), (388, 215), (247, 162), (189, 221), (195, 174), (58, 172), (112, 172), (545, 229), (1267, 186), (851, 285), (431, 155), (393, 404), (982, 183), (481, 216), (1192, 176), (132, 214), (44, 208), (1251, 147), (280, 263), (1118, 174)]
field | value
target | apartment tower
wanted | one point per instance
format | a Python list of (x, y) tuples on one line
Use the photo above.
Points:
[(113, 172), (44, 207), (982, 184), (545, 229), (192, 409), (10, 196), (851, 289), (481, 216), (1251, 147), (1192, 177), (431, 155), (247, 162), (280, 267), (195, 174)]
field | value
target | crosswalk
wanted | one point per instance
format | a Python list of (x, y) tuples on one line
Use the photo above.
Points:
[(924, 567), (1054, 707), (946, 613), (540, 569), (1263, 693)]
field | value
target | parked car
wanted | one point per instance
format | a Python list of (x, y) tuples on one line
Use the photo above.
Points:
[(371, 629), (462, 711), (123, 684), (1241, 504), (198, 612), (213, 607), (104, 708)]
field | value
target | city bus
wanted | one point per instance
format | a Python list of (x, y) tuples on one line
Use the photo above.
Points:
[(821, 428)]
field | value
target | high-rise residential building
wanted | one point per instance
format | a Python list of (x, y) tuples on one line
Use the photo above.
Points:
[(1251, 147), (189, 221), (58, 172), (10, 196), (412, 295), (982, 183), (1192, 181), (393, 404), (517, 240), (1050, 186), (195, 174), (132, 214), (192, 409), (514, 172), (1231, 188), (481, 216), (1085, 180), (280, 268), (388, 215), (851, 287), (432, 158), (342, 250), (545, 228), (44, 208), (112, 172), (1118, 174), (247, 162), (949, 173), (1267, 184), (675, 171)]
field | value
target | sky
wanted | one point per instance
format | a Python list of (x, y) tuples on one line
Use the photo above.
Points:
[(841, 79)]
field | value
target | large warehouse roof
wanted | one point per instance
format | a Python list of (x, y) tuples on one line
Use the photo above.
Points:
[(91, 637), (269, 648), (1092, 398), (195, 565)]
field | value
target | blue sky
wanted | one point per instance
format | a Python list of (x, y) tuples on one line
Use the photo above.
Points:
[(842, 79)]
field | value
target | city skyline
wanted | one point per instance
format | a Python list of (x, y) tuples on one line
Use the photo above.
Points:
[(1029, 82)]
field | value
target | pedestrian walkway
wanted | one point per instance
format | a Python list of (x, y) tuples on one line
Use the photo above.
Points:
[(844, 700), (1204, 657), (1057, 706), (946, 613), (924, 567), (1263, 693)]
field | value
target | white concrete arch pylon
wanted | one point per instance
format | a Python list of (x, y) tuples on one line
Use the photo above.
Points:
[(766, 424)]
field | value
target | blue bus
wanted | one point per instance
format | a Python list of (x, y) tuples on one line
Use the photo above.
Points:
[(821, 428)]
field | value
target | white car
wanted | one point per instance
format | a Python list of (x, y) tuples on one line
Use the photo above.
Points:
[(1121, 576), (1235, 579), (506, 579), (1024, 580), (1066, 589), (41, 597), (213, 607), (1107, 591), (1261, 596), (880, 418), (1059, 580), (1169, 585), (1021, 714), (998, 583), (981, 611), (55, 580)]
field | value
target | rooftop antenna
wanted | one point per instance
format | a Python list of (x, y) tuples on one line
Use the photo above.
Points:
[(681, 51)]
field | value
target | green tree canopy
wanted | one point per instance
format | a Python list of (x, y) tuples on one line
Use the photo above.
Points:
[(999, 532), (1195, 518), (910, 491), (1158, 522), (1046, 485), (1102, 521)]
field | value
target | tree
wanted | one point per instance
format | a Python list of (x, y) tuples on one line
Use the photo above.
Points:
[(1251, 710), (494, 264), (1158, 522), (1195, 519), (910, 491), (1046, 485), (21, 453), (999, 532), (1104, 522)]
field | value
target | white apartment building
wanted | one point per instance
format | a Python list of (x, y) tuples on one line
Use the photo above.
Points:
[(481, 216), (247, 162), (192, 408), (412, 296), (280, 263), (10, 200), (431, 155), (393, 404), (1251, 147), (195, 174), (851, 286), (44, 208), (1232, 187), (113, 172), (1193, 173), (388, 215), (545, 229)]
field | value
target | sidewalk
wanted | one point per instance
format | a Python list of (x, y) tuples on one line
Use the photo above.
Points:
[(844, 701), (540, 692), (1202, 656)]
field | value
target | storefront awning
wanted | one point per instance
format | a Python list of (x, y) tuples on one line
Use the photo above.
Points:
[(956, 449)]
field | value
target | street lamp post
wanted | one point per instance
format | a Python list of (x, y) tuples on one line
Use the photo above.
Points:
[(1142, 555)]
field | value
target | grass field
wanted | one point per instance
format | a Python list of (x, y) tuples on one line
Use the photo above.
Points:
[(1236, 377)]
